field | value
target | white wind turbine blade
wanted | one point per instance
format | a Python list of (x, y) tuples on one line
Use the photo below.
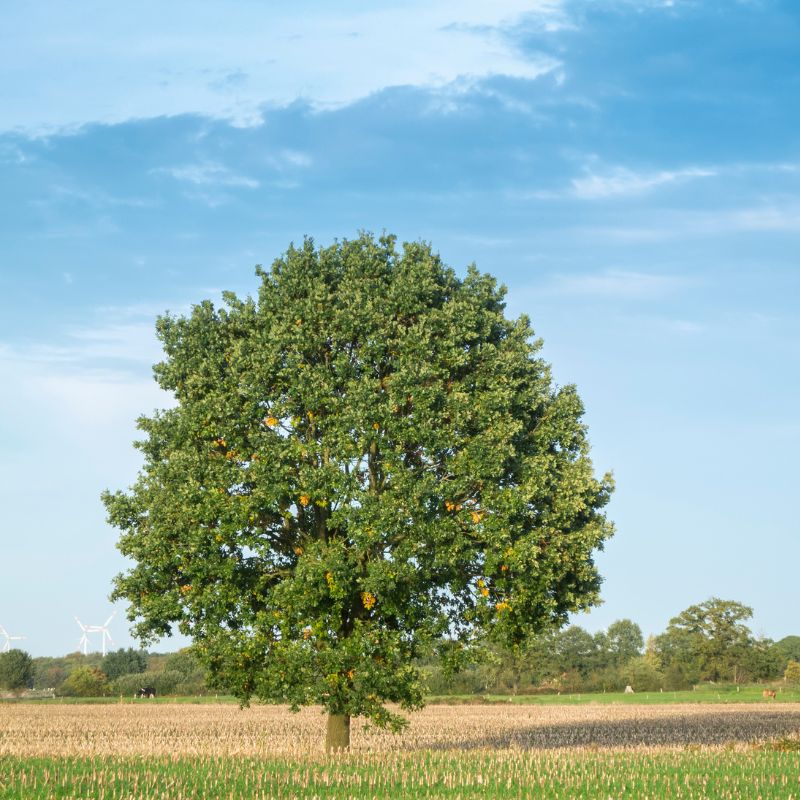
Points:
[(83, 643), (108, 621), (106, 639)]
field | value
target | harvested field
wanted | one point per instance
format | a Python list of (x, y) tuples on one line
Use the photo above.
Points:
[(176, 752), (221, 730)]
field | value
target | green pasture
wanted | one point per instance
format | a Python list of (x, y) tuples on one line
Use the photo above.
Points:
[(755, 773), (702, 694), (110, 699)]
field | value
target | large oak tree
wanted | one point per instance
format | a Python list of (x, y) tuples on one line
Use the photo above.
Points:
[(366, 462)]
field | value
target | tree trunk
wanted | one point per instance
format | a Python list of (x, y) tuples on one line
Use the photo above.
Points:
[(337, 736)]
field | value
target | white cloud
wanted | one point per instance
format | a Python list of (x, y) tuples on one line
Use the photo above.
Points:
[(148, 59), (94, 402), (12, 154), (208, 174), (615, 283), (67, 422), (620, 181), (290, 159), (783, 217), (774, 216), (93, 378), (86, 347), (607, 181)]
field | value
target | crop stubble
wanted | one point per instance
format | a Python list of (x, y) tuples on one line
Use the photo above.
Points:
[(140, 750), (220, 730)]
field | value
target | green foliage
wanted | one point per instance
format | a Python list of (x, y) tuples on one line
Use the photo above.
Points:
[(708, 641), (576, 650), (567, 660), (165, 682), (787, 649), (364, 459), (85, 682), (624, 641), (124, 662), (639, 673), (16, 670), (792, 673), (184, 661), (49, 673)]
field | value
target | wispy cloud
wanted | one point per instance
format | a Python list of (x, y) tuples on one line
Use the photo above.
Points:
[(289, 159), (129, 346), (778, 217), (620, 181), (774, 216), (616, 283), (182, 57), (208, 173), (93, 374), (11, 153)]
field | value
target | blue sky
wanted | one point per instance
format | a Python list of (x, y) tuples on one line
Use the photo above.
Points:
[(630, 169)]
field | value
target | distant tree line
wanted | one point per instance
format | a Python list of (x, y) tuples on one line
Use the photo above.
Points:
[(708, 642), (121, 672)]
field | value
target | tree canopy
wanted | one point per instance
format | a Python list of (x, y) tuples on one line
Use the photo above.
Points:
[(365, 462), (16, 670), (124, 662), (710, 641), (624, 641), (788, 648), (85, 681)]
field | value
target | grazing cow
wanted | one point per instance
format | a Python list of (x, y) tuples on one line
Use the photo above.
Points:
[(767, 693), (146, 691)]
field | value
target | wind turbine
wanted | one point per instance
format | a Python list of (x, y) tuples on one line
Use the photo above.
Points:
[(83, 644), (102, 629), (8, 639)]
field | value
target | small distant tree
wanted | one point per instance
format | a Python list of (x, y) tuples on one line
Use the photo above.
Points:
[(624, 641), (16, 670), (124, 662), (639, 673), (85, 682), (709, 641), (792, 673), (506, 666), (575, 650), (366, 461)]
